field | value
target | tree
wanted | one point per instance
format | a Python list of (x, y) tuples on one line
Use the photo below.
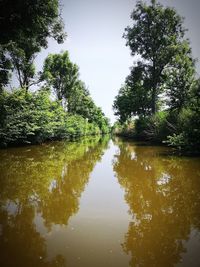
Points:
[(80, 101), (134, 97), (23, 66), (155, 35), (25, 27), (5, 66), (61, 75), (180, 79), (187, 123), (122, 104), (194, 103)]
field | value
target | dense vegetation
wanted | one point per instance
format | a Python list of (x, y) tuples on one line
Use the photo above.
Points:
[(160, 99), (61, 107)]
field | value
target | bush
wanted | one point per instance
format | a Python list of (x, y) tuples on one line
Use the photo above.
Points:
[(30, 118), (154, 128), (126, 129), (187, 135), (26, 117), (140, 126)]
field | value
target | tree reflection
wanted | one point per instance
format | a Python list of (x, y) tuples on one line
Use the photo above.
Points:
[(163, 194), (20, 243), (62, 200), (45, 181)]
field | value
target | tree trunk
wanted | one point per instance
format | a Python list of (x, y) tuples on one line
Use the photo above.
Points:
[(153, 104)]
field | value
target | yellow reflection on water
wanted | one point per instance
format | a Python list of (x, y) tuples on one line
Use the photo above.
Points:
[(41, 181), (163, 194), (58, 207)]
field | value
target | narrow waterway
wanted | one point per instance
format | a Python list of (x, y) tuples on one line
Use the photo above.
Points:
[(98, 202)]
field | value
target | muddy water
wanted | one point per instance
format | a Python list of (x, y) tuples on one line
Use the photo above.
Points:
[(98, 202)]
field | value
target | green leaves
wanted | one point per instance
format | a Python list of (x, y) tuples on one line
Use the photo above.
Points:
[(134, 98), (164, 77), (155, 36), (29, 118), (180, 78), (25, 27), (60, 74)]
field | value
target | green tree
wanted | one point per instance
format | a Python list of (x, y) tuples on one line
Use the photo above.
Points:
[(122, 104), (23, 64), (25, 28), (78, 99), (5, 66), (186, 136), (134, 97), (155, 35), (180, 79), (61, 75)]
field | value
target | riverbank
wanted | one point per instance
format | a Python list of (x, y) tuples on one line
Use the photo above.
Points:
[(34, 118), (161, 129)]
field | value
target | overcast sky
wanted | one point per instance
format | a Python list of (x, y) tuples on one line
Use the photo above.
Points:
[(95, 43)]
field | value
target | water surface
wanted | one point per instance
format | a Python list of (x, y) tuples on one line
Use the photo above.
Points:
[(98, 202)]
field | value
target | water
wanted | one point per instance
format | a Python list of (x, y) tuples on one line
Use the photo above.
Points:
[(98, 202)]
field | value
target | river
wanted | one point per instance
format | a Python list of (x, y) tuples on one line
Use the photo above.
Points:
[(98, 203)]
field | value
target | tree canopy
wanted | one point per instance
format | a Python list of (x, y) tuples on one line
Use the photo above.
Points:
[(25, 29), (34, 117), (60, 74), (160, 90), (156, 36)]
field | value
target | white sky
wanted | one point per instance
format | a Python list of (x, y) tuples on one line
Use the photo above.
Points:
[(95, 43)]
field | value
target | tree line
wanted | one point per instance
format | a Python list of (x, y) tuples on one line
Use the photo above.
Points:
[(33, 116), (159, 100)]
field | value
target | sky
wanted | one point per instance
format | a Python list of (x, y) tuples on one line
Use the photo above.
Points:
[(94, 41)]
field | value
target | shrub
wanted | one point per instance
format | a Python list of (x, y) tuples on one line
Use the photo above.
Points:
[(30, 118), (187, 135), (153, 128)]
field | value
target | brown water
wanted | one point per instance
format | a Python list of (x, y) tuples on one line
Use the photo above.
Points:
[(98, 203)]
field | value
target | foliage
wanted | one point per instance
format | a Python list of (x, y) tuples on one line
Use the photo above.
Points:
[(126, 129), (186, 123), (164, 77), (122, 104), (180, 79), (60, 74), (155, 35), (165, 68), (140, 127), (25, 28), (154, 128), (134, 98), (5, 66), (157, 128), (34, 118), (187, 134), (41, 19)]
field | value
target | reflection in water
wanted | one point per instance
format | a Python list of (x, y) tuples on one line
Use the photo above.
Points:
[(163, 193), (41, 191), (44, 181)]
